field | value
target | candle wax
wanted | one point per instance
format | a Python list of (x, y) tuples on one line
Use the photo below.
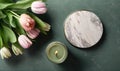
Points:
[(57, 52)]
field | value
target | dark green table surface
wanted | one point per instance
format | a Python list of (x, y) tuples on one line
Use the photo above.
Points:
[(104, 56)]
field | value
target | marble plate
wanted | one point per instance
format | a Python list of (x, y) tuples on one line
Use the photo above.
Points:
[(83, 29)]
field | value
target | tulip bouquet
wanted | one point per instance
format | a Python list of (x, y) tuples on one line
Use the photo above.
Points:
[(18, 26)]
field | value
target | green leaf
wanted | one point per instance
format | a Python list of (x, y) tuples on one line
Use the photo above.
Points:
[(11, 20), (6, 1), (44, 0), (19, 11), (8, 35), (22, 4), (2, 15), (40, 23), (6, 22), (5, 5), (19, 4), (19, 29), (1, 42)]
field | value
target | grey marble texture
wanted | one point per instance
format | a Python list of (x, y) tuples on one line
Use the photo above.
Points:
[(83, 29)]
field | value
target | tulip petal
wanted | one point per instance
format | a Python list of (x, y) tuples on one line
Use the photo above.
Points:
[(26, 22), (5, 53), (33, 33), (38, 7), (24, 41)]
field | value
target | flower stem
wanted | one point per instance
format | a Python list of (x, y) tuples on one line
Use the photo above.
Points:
[(39, 21), (15, 14)]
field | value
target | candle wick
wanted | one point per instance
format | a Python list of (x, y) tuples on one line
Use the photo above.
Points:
[(56, 52)]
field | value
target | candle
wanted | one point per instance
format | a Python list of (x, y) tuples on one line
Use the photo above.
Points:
[(57, 52)]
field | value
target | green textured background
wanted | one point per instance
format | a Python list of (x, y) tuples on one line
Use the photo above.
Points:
[(105, 56)]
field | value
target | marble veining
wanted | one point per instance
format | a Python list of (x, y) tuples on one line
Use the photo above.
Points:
[(83, 29)]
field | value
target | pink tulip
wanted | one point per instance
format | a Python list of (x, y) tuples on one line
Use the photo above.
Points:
[(24, 41), (38, 7), (33, 33), (26, 22)]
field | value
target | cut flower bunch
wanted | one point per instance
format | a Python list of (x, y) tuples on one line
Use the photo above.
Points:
[(18, 26)]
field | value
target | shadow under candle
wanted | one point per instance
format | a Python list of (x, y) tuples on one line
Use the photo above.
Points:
[(72, 63)]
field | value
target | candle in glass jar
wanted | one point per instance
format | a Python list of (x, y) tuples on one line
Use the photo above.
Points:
[(57, 52)]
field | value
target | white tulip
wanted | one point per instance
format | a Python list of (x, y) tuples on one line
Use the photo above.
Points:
[(16, 50), (5, 53), (47, 27)]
